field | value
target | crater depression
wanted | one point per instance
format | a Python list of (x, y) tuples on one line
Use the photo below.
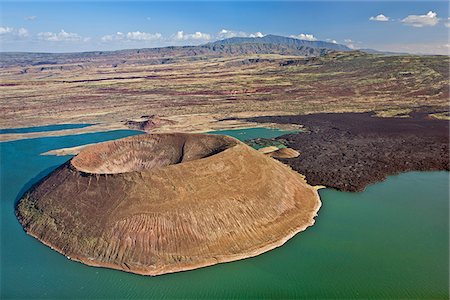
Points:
[(161, 203)]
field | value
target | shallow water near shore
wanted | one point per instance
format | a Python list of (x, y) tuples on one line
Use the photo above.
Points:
[(253, 133), (390, 241)]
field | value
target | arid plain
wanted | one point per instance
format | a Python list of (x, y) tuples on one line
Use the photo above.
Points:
[(199, 90)]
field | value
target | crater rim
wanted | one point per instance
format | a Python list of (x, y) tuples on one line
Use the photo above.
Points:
[(147, 152)]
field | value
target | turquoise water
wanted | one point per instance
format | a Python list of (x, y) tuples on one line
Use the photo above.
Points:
[(253, 133), (390, 241), (43, 128)]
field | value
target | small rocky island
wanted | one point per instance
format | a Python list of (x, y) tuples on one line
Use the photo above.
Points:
[(161, 203)]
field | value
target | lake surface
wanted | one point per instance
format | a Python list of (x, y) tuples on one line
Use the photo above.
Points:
[(43, 128), (253, 133), (390, 241)]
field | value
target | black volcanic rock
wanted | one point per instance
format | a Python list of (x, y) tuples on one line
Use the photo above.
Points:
[(349, 151)]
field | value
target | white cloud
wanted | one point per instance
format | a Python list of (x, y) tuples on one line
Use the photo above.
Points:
[(60, 36), (430, 19), (113, 37), (13, 32), (143, 36), (331, 41), (226, 33), (132, 36), (350, 43), (379, 18), (31, 18), (6, 30), (197, 36), (179, 35), (447, 24), (22, 32), (305, 36), (256, 34)]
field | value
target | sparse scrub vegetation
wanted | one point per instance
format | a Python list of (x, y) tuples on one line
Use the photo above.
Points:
[(117, 89)]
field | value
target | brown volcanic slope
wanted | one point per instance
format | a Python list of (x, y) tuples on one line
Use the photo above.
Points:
[(161, 203), (349, 151)]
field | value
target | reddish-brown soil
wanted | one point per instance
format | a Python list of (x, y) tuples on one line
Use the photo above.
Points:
[(349, 151)]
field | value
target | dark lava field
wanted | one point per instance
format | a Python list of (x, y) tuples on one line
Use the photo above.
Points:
[(349, 151)]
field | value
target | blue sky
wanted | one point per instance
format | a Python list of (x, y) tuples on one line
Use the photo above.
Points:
[(56, 26)]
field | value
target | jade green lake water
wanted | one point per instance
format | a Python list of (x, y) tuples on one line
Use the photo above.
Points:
[(390, 241)]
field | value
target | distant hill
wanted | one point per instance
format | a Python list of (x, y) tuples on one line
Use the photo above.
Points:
[(281, 40), (263, 48), (269, 44)]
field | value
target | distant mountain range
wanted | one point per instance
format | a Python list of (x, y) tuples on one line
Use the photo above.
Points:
[(282, 40), (269, 44)]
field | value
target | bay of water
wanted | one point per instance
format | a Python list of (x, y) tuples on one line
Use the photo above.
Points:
[(253, 133), (390, 241), (43, 128)]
